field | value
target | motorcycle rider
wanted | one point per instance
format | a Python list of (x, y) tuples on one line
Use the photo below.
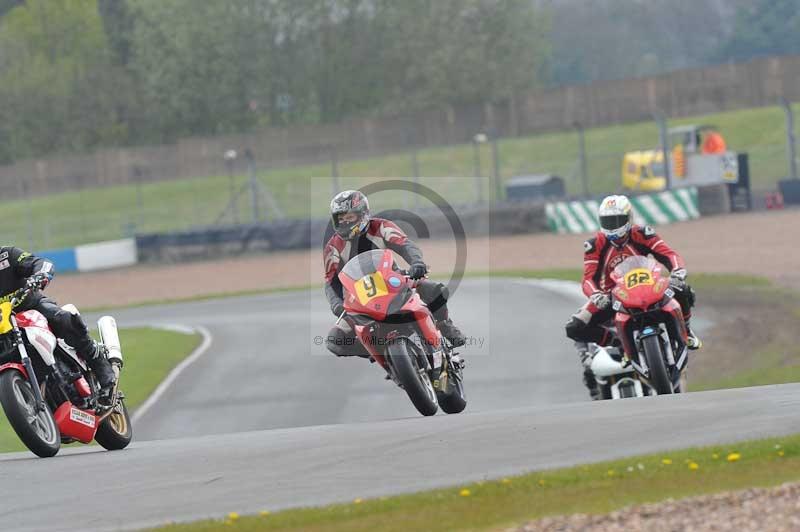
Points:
[(355, 232), (617, 240), (20, 269)]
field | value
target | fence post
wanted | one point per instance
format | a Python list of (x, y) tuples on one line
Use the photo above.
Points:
[(661, 120), (233, 200), (496, 167), (334, 169), (582, 157), (791, 147), (251, 168), (415, 171), (477, 140)]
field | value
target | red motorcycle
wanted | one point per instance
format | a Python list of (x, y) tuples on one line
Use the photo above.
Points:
[(48, 393), (398, 330), (650, 323)]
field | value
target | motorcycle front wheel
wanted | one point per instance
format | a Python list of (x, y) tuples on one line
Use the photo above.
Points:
[(37, 429), (454, 400), (415, 381), (659, 378), (115, 432)]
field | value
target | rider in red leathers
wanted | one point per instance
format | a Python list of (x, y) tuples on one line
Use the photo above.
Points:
[(617, 240), (356, 231)]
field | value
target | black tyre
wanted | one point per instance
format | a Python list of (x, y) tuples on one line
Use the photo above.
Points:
[(659, 378), (37, 430), (453, 401), (605, 391), (115, 432), (415, 381)]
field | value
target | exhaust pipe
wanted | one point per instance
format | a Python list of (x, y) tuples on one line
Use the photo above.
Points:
[(110, 338)]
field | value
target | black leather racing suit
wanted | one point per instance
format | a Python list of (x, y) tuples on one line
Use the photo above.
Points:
[(16, 266)]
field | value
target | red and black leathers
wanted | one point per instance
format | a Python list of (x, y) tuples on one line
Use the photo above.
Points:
[(600, 259), (380, 234)]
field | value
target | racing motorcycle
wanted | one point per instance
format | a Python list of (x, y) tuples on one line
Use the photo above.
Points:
[(650, 324), (399, 332), (48, 393)]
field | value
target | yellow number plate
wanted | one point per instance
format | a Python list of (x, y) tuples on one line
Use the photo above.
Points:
[(5, 317), (369, 287), (638, 277)]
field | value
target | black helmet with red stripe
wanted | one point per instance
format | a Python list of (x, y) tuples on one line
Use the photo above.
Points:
[(350, 214)]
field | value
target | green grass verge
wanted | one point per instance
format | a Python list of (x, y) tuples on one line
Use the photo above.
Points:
[(150, 354), (778, 374), (105, 213), (206, 297), (596, 488)]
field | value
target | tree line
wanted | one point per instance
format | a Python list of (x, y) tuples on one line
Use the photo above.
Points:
[(79, 74), (76, 74)]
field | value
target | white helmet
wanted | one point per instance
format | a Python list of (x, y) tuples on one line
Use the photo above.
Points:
[(615, 215)]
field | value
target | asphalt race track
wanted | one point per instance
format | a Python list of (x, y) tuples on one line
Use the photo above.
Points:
[(324, 429)]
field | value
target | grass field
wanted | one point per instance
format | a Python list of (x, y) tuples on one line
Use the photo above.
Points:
[(113, 212), (149, 355), (499, 503)]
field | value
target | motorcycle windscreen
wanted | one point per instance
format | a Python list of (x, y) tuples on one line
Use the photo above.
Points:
[(637, 263)]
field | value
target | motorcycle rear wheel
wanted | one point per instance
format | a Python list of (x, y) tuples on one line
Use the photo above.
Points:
[(659, 377), (37, 430), (115, 432), (415, 382)]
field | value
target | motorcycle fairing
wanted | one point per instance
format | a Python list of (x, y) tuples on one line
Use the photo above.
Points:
[(670, 314), (72, 354), (39, 334), (422, 315)]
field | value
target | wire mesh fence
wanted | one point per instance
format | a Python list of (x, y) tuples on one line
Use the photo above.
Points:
[(246, 189)]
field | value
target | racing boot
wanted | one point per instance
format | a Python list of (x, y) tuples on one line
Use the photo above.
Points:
[(102, 368), (586, 356), (451, 332), (693, 341)]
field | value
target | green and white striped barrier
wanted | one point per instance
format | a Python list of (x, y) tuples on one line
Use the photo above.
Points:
[(652, 209)]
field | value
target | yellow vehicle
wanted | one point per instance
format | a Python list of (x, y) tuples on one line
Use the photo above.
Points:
[(699, 155), (643, 170)]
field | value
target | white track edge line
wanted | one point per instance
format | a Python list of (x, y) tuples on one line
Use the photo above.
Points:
[(174, 374)]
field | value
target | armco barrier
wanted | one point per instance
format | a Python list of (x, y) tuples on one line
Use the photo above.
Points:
[(91, 257), (652, 209), (218, 242)]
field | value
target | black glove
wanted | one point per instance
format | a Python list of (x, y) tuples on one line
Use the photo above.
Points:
[(38, 281), (338, 309), (417, 270)]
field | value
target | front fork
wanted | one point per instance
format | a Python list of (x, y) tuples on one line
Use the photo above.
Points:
[(26, 361)]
